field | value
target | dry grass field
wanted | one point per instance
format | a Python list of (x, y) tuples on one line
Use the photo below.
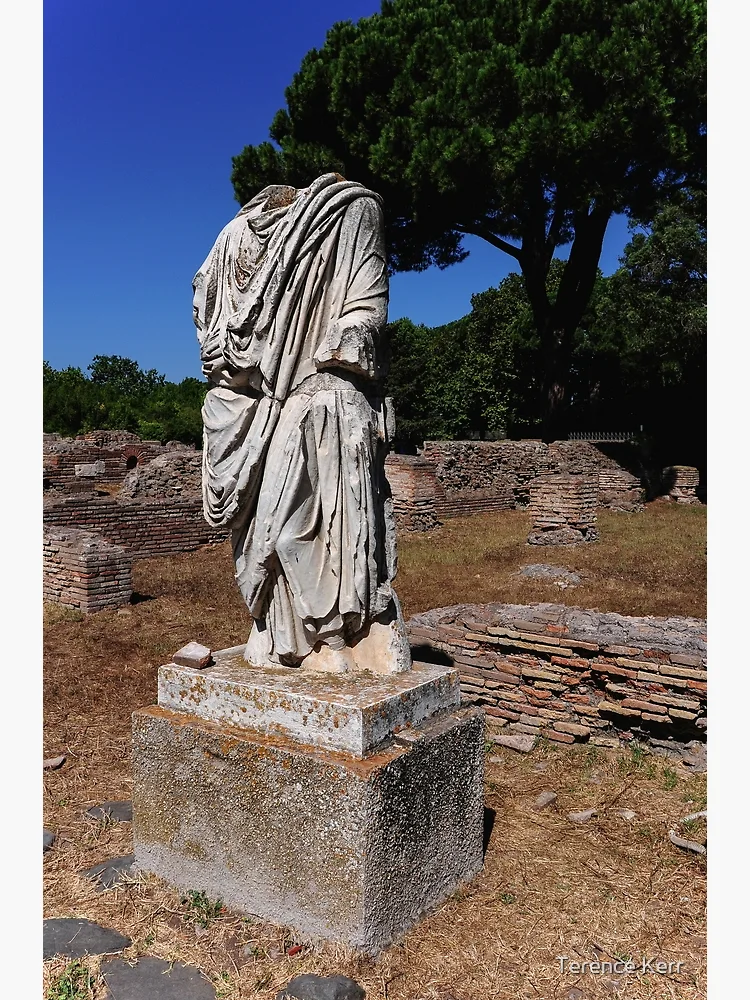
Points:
[(610, 888), (651, 563)]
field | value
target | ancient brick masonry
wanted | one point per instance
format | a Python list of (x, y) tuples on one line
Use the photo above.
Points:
[(680, 482), (572, 675), (415, 492), (74, 464), (151, 527), (450, 478), (82, 570), (158, 510), (563, 510), (493, 467)]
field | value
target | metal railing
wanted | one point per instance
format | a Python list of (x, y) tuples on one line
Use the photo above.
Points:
[(602, 436)]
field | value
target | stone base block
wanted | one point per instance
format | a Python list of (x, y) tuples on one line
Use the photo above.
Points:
[(355, 715), (352, 850)]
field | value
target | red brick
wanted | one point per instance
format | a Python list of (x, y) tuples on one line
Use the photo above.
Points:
[(506, 678), (571, 727), (642, 706), (686, 659), (609, 668), (568, 661), (550, 734), (502, 713), (538, 692)]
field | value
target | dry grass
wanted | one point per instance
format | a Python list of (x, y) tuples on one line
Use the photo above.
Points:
[(548, 887), (650, 563), (610, 890)]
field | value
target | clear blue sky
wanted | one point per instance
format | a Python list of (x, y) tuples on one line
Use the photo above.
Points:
[(145, 103)]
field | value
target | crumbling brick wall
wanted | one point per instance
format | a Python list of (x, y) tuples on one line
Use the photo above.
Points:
[(73, 465), (572, 675), (147, 527), (496, 468), (82, 570), (173, 474), (680, 483), (415, 491)]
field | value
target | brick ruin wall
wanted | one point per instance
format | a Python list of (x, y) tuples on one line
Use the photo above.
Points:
[(570, 675), (81, 570), (158, 510), (144, 528), (449, 478), (468, 466), (414, 491), (76, 464)]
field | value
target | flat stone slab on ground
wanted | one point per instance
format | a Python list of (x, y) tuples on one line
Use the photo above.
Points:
[(74, 937), (154, 979), (52, 763), (544, 800), (522, 742), (582, 817), (312, 987), (121, 811), (110, 873), (351, 713), (48, 840), (543, 571)]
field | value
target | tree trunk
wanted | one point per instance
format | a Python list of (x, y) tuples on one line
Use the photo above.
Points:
[(554, 385), (557, 321)]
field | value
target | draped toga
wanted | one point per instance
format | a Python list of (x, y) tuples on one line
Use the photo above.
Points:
[(290, 306)]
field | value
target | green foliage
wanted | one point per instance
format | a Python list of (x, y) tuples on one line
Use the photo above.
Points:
[(119, 395), (670, 778), (638, 353), (200, 909), (527, 124), (74, 983)]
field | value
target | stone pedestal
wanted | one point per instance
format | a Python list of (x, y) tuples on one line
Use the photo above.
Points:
[(343, 807)]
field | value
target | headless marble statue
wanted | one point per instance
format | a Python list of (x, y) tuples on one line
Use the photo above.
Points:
[(290, 306)]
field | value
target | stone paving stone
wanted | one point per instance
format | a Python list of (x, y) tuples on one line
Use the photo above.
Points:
[(75, 937), (582, 817), (122, 811), (110, 873), (153, 979), (544, 800), (311, 987), (49, 839)]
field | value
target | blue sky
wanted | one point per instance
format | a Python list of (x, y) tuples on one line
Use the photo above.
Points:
[(145, 103)]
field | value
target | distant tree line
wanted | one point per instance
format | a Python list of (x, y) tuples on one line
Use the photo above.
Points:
[(118, 395)]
